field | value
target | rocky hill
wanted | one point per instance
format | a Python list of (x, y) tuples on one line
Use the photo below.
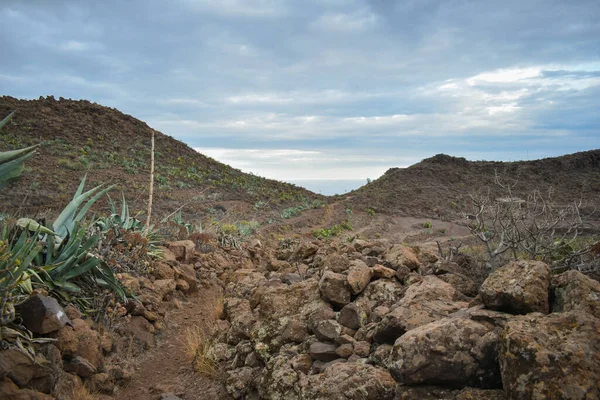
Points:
[(440, 185), (79, 137)]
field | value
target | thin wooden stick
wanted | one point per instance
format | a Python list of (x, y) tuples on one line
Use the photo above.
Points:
[(151, 185)]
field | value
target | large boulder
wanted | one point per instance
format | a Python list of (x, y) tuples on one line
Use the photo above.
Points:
[(573, 290), (334, 289), (279, 379), (461, 283), (286, 308), (351, 381), (520, 287), (399, 255), (424, 302), (554, 356), (453, 351)]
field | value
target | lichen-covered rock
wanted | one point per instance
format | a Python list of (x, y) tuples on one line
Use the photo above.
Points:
[(399, 255), (327, 330), (278, 305), (424, 302), (554, 356), (452, 351), (383, 292), (279, 380), (572, 290), (334, 289), (240, 382), (354, 315), (461, 283), (351, 381), (336, 262), (520, 287)]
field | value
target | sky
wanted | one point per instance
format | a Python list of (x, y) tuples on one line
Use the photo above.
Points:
[(323, 89)]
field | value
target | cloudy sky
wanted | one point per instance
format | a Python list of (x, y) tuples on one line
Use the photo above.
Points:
[(323, 89)]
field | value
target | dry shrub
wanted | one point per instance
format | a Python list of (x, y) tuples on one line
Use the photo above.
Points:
[(199, 349), (82, 393)]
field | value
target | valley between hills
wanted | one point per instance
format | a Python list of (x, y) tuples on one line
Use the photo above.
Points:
[(448, 279)]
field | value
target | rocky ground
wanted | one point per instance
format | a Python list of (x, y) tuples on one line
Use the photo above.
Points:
[(312, 319)]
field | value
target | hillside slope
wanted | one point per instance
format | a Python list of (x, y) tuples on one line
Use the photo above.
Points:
[(79, 137), (441, 185)]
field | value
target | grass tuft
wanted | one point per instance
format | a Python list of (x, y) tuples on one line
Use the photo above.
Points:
[(199, 349)]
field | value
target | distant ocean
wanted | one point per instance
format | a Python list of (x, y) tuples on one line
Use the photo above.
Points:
[(330, 187)]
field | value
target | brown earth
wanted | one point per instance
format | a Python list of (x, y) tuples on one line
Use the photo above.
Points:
[(168, 367), (440, 186), (79, 137)]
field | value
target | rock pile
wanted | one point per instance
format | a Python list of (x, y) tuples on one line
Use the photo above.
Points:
[(84, 352), (367, 320)]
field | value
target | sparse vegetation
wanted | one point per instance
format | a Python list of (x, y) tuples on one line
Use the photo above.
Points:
[(199, 349)]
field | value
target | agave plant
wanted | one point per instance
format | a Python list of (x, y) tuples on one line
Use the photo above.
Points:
[(118, 221)]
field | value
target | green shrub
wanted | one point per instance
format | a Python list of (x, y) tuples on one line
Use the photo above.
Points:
[(427, 225)]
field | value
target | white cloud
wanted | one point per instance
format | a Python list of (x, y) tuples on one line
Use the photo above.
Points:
[(74, 45), (244, 8), (505, 76), (346, 22), (293, 164)]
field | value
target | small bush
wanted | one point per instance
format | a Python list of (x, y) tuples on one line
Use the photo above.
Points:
[(370, 211), (427, 225)]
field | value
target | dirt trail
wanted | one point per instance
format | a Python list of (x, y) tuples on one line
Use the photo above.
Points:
[(167, 368)]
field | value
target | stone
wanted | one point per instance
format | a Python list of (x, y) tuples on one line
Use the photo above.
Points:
[(323, 351), (424, 302), (572, 290), (359, 276), (10, 391), (554, 356), (291, 278), (301, 363), (279, 380), (187, 273), (353, 381), (100, 383), (164, 287), (334, 289), (42, 314), (381, 272), (447, 267), (80, 366), (452, 351), (20, 368), (399, 255), (344, 350), (380, 355), (336, 262), (327, 330), (353, 316), (240, 382), (182, 249), (295, 331), (461, 283), (383, 292), (402, 273), (162, 270), (362, 348), (520, 287)]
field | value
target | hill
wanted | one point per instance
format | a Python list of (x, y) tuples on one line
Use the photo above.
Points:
[(79, 137), (440, 186)]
